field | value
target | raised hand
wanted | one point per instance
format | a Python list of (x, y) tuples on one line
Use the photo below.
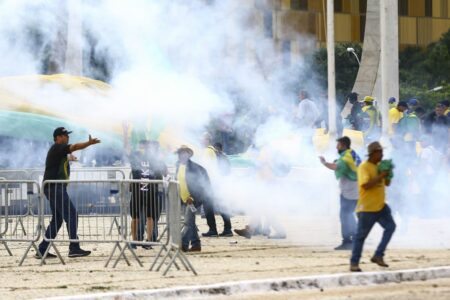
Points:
[(93, 141)]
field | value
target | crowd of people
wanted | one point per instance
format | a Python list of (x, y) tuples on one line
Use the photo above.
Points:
[(419, 143)]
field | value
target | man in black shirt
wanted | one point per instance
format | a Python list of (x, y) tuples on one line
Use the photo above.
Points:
[(57, 168), (146, 163)]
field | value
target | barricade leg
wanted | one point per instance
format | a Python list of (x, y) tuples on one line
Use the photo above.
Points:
[(32, 244), (178, 254), (116, 246), (52, 245), (19, 221), (114, 222), (163, 248), (6, 247), (122, 253), (166, 228)]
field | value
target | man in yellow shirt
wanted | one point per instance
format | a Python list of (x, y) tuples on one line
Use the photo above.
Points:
[(194, 189), (395, 114), (371, 207)]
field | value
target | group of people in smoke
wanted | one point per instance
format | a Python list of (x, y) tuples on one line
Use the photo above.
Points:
[(362, 184)]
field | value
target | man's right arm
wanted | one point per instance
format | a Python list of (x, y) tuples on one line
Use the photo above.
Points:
[(81, 146)]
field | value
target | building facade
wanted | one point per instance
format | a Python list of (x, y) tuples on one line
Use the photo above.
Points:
[(421, 22)]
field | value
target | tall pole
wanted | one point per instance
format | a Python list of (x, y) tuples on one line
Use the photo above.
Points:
[(331, 70), (389, 60)]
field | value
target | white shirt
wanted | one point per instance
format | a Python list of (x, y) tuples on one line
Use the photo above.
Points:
[(307, 113)]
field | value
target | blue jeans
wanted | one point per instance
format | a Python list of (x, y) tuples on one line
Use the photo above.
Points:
[(366, 220), (348, 220), (189, 233), (62, 209)]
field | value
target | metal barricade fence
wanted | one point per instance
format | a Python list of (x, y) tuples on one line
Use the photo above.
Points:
[(90, 208), (16, 224), (100, 173)]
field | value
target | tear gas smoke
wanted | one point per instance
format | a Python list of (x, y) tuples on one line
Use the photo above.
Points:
[(186, 63)]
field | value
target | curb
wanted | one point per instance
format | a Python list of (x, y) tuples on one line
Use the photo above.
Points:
[(275, 285)]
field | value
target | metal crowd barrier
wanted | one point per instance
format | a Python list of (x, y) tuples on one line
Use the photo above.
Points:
[(16, 224), (97, 205)]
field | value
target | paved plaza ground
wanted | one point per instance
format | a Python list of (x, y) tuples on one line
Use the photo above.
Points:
[(307, 251)]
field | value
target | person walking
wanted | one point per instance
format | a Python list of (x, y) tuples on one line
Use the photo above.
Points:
[(371, 120), (194, 190), (371, 207), (210, 160), (57, 168), (345, 169), (395, 115)]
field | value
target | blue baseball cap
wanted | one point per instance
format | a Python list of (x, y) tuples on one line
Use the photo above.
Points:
[(413, 102), (392, 100)]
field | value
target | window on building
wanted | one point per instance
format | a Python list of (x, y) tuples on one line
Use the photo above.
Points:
[(337, 5), (299, 4), (403, 7), (362, 6), (428, 8)]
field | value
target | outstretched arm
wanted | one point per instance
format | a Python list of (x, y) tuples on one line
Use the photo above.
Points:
[(331, 166), (81, 146)]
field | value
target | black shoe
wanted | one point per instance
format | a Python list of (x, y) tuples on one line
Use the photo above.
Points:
[(243, 232), (147, 247), (49, 255), (210, 234), (344, 246), (78, 253), (184, 248), (355, 268), (133, 246), (226, 233), (379, 261), (195, 249)]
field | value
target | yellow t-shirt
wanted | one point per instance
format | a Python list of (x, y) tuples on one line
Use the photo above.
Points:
[(394, 117), (209, 153), (181, 177), (371, 200)]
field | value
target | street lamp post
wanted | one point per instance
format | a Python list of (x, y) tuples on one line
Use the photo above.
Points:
[(351, 50), (331, 70)]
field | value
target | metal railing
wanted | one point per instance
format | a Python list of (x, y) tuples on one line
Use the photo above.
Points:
[(16, 223)]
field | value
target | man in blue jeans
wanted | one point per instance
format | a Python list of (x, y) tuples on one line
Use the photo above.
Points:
[(57, 168), (345, 168), (372, 208)]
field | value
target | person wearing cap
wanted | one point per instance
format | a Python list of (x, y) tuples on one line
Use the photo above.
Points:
[(408, 131), (345, 169), (395, 114), (392, 102), (371, 207), (57, 168), (371, 120), (194, 190), (412, 104)]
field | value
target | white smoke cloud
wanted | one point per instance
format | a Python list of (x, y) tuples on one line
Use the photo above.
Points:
[(182, 62)]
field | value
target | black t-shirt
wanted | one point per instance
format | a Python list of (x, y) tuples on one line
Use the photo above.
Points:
[(57, 165), (145, 167)]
